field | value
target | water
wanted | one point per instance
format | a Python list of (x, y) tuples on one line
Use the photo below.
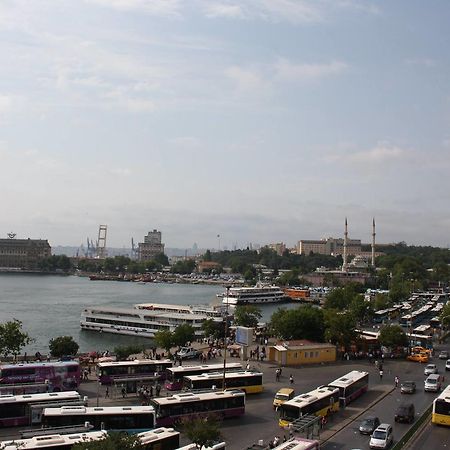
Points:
[(50, 306)]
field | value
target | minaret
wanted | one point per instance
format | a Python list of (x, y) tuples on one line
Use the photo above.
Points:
[(373, 242), (344, 265)]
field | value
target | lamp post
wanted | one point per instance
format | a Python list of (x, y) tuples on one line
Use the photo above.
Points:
[(225, 341)]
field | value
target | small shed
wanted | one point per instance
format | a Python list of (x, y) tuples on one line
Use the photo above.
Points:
[(301, 352)]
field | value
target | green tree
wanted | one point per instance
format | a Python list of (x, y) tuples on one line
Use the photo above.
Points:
[(202, 431), (183, 334), (63, 346), (445, 315), (340, 328), (165, 340), (392, 336), (290, 278), (161, 259), (381, 301), (207, 256), (213, 328), (113, 441), (361, 310), (247, 315), (12, 338), (341, 298), (304, 322), (124, 351)]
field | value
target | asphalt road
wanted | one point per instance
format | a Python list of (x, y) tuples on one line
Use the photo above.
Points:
[(261, 421)]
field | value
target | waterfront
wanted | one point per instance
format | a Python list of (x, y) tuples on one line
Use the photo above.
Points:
[(50, 306)]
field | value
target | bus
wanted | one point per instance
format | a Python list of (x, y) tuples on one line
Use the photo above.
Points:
[(157, 439), (52, 441), (132, 419), (59, 375), (249, 381), (321, 402), (298, 443), (174, 375), (173, 409), (109, 370), (218, 446), (16, 410), (27, 388), (423, 330), (351, 386), (441, 408)]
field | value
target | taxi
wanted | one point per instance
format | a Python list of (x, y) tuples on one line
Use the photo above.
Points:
[(419, 357), (418, 349), (283, 395)]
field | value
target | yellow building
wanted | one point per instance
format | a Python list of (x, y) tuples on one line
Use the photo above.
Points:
[(294, 353)]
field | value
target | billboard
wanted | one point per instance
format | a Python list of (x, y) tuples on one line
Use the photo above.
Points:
[(244, 336)]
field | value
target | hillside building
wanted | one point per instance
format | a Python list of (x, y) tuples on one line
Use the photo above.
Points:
[(151, 246), (23, 253)]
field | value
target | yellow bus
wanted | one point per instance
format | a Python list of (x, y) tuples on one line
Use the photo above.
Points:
[(321, 402), (249, 381), (441, 408)]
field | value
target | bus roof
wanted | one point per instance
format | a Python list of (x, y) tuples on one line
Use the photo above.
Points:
[(297, 443), (349, 378), (219, 375), (444, 395), (189, 396), (154, 435), (206, 367), (135, 362), (52, 440), (83, 410), (33, 365), (305, 399), (36, 398)]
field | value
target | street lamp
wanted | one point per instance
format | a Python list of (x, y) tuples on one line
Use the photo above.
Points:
[(225, 340)]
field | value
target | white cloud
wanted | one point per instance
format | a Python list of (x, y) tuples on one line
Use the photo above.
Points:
[(223, 10), (6, 103), (122, 172), (425, 62), (164, 8), (286, 70), (185, 141), (380, 154), (246, 79)]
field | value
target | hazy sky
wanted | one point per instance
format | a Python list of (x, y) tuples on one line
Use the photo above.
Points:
[(259, 120)]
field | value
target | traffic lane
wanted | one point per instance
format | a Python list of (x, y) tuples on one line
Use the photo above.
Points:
[(386, 408), (434, 437)]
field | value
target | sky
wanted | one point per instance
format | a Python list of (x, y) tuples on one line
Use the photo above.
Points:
[(254, 120)]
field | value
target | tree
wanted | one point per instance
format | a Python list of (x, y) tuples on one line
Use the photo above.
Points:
[(164, 339), (304, 322), (123, 352), (340, 298), (393, 336), (247, 316), (340, 328), (113, 441), (361, 310), (12, 338), (202, 431), (63, 345), (213, 328), (445, 315), (183, 334), (381, 301), (161, 259)]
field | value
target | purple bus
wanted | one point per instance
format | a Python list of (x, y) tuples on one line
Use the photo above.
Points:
[(170, 410)]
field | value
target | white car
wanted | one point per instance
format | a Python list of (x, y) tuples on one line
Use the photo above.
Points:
[(447, 365), (382, 437), (431, 368)]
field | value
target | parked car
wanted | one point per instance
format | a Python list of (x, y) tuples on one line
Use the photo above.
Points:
[(433, 383), (419, 357), (419, 349), (443, 354), (447, 364), (382, 437), (187, 353), (405, 413), (408, 387), (431, 368), (369, 425)]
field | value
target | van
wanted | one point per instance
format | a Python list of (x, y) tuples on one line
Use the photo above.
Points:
[(405, 413), (433, 383), (283, 395)]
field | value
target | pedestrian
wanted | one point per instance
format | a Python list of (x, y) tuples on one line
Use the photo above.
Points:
[(151, 391), (381, 374), (396, 381), (276, 441), (277, 375), (291, 379), (284, 438), (158, 389), (247, 367), (107, 392), (124, 391)]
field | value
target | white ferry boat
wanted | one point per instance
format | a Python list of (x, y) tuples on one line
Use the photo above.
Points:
[(145, 319), (258, 294)]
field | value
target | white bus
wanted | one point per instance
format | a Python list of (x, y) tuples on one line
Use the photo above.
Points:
[(175, 375), (53, 441), (16, 410), (351, 386), (132, 419), (441, 408), (173, 409), (249, 381)]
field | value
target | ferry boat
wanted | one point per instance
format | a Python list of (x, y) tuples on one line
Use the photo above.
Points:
[(146, 319), (258, 294)]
